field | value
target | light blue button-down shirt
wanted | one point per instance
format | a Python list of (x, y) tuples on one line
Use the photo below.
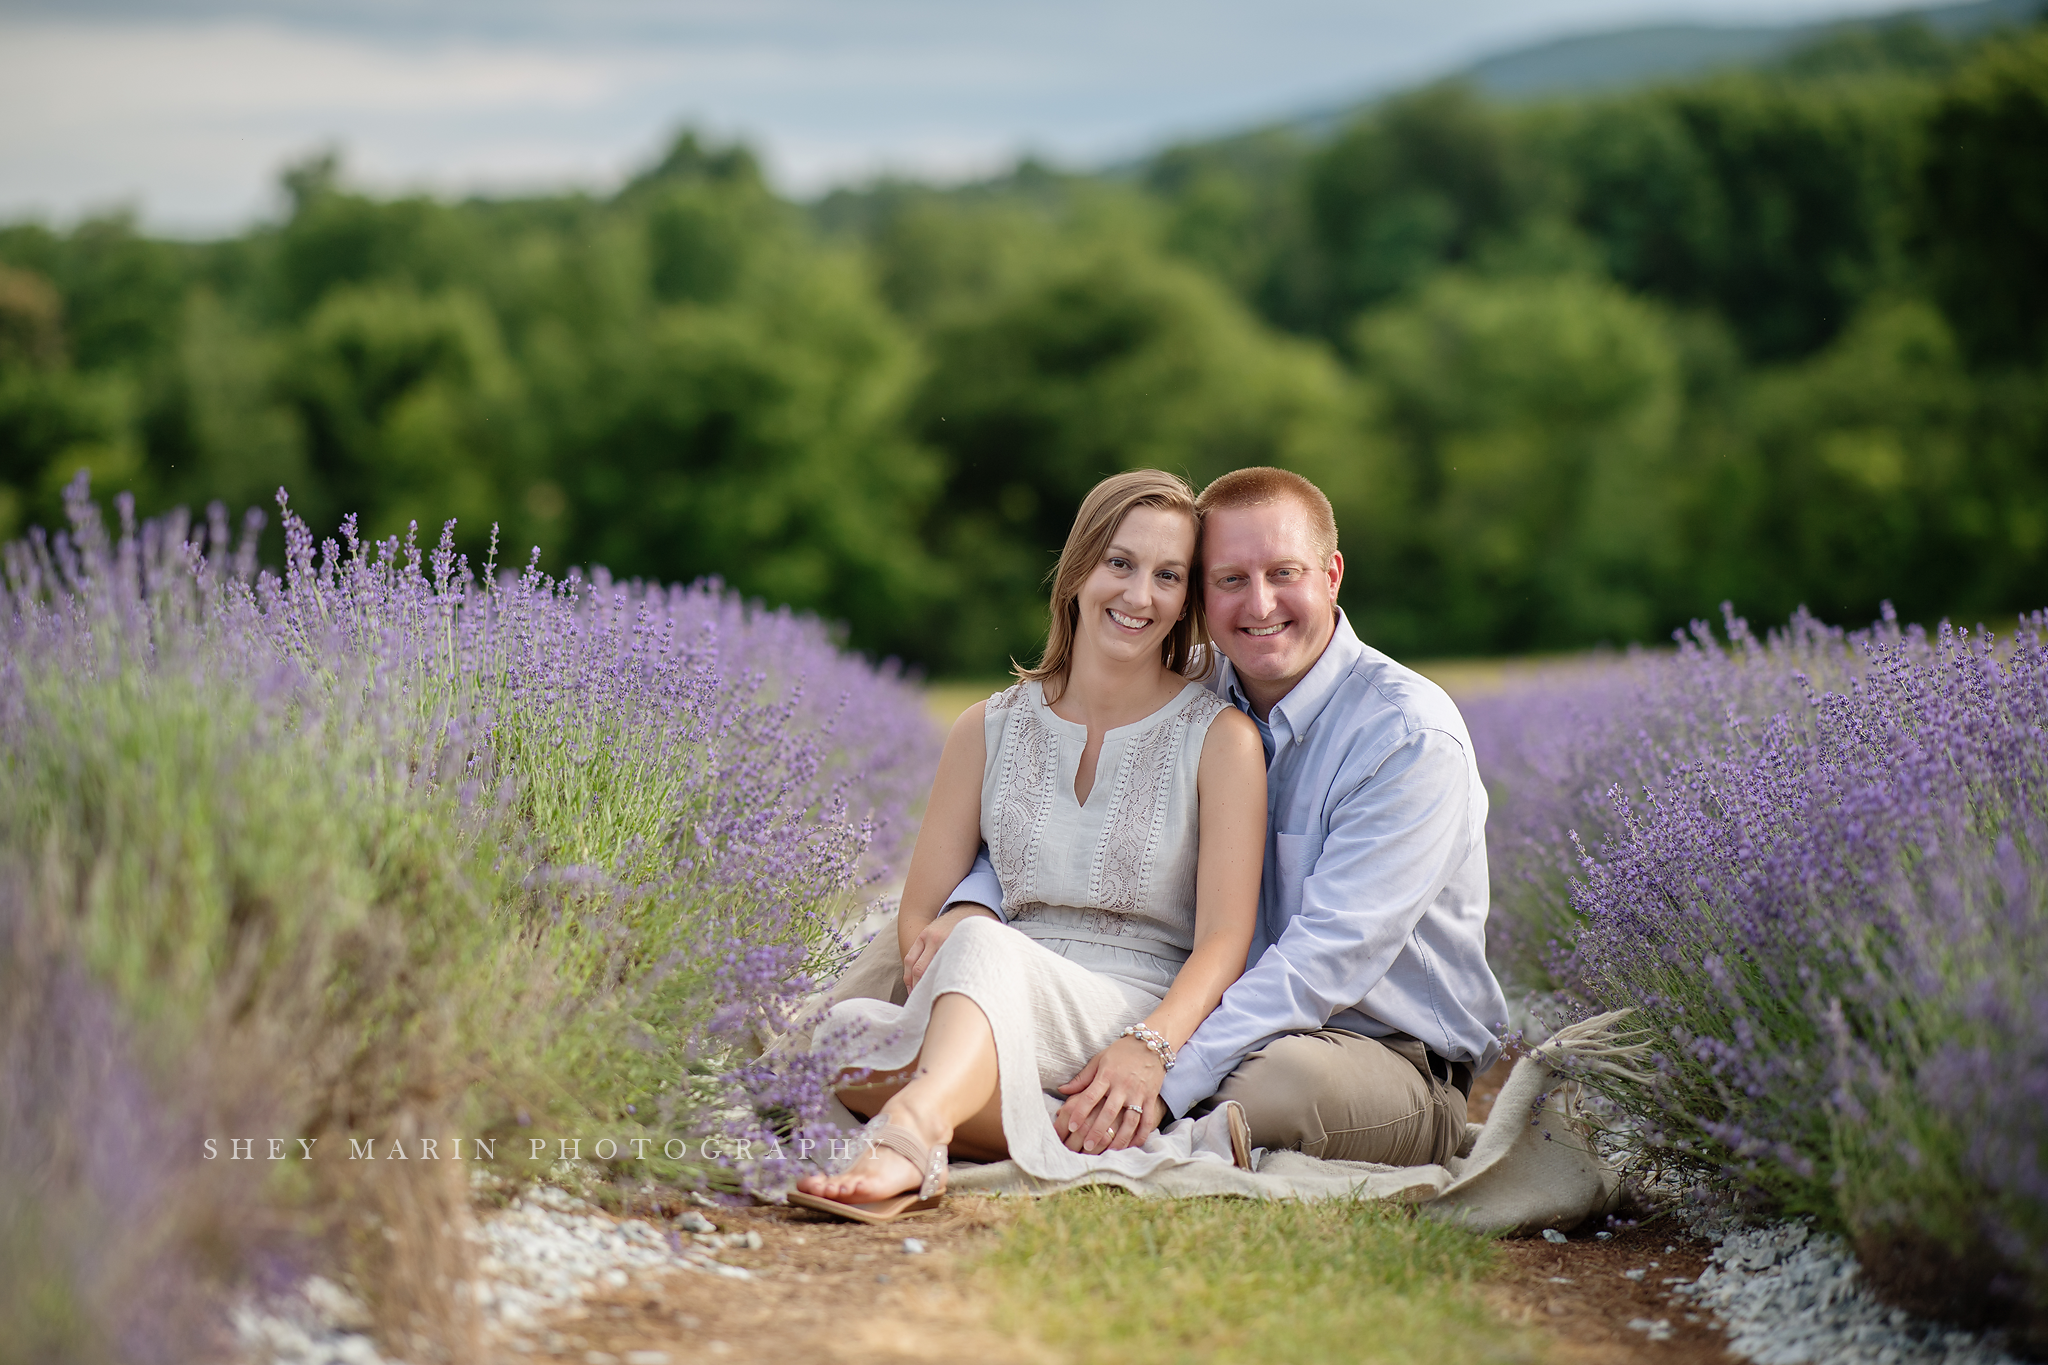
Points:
[(1372, 910)]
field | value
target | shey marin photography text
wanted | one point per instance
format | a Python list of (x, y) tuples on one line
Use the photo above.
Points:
[(751, 1148)]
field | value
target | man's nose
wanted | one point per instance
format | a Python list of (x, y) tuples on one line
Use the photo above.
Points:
[(1264, 599)]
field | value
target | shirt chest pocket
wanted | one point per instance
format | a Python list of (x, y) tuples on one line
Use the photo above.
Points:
[(1294, 857)]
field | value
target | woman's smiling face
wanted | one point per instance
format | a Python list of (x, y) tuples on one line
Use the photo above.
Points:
[(1139, 588)]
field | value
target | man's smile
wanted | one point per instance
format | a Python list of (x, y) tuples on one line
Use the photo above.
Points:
[(1261, 632)]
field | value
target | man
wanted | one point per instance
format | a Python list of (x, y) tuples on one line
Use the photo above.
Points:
[(1367, 1005)]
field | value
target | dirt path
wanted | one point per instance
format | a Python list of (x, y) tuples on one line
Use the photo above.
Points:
[(851, 1295), (1579, 1294), (823, 1290)]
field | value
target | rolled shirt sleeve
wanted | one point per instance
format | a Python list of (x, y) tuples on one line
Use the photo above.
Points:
[(1390, 847), (981, 886)]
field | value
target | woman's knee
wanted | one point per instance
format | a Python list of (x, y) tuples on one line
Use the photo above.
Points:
[(976, 934)]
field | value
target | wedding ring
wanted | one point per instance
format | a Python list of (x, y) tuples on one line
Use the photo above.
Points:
[(1137, 1109)]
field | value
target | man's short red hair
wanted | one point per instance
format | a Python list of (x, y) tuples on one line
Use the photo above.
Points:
[(1262, 486)]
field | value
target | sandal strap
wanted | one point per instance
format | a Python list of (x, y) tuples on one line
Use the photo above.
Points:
[(931, 1161)]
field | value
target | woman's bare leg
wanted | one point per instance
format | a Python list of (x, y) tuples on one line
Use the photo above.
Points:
[(979, 1138), (952, 1096)]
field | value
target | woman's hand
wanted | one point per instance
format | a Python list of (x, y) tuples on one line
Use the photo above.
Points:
[(1114, 1101), (926, 945)]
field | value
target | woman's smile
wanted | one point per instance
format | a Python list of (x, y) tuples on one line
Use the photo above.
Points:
[(1135, 624)]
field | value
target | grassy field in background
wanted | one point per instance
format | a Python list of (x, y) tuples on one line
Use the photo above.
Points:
[(948, 697), (1098, 1275)]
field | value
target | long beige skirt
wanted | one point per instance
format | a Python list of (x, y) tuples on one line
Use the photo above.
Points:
[(1053, 1002)]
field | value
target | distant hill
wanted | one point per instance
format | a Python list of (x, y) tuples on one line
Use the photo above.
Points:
[(1634, 56), (1617, 58)]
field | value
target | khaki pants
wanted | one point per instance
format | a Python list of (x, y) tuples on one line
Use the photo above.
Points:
[(1345, 1097), (1328, 1093)]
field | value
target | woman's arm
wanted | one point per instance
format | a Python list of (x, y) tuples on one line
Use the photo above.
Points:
[(1230, 858), (946, 842)]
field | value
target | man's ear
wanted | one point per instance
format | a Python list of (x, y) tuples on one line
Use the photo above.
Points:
[(1336, 573)]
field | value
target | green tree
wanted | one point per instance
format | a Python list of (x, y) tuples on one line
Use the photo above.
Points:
[(1115, 359), (1776, 202), (1425, 181), (54, 420), (410, 410), (1984, 201), (1532, 498), (760, 439), (1877, 472)]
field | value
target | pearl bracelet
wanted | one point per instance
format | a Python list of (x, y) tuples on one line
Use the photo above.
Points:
[(1153, 1039)]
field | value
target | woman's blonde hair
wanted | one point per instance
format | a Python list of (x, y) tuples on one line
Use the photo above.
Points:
[(1095, 526)]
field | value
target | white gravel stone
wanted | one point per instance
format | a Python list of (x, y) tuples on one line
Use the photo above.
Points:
[(317, 1324), (1787, 1296), (536, 1260)]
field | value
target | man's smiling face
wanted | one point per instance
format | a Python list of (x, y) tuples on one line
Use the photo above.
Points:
[(1272, 605)]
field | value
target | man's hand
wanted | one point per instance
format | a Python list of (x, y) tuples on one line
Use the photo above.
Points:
[(926, 945), (1114, 1100)]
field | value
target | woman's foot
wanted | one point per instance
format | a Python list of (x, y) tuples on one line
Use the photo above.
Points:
[(877, 1174)]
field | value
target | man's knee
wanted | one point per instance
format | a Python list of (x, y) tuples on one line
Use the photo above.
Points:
[(1339, 1095), (1282, 1087)]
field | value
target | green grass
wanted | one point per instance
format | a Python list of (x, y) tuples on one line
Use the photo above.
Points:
[(1101, 1276), (947, 698)]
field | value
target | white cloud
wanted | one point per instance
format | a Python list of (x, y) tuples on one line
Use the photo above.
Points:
[(191, 117)]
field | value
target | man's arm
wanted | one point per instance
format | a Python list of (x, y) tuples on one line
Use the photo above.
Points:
[(981, 887), (1392, 845)]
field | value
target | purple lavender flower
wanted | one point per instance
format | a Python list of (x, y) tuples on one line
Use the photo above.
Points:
[(661, 802), (1819, 873)]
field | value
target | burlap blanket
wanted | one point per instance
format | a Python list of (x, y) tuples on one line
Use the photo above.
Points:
[(1532, 1165)]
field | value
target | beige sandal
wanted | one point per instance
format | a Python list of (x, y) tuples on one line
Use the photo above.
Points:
[(882, 1132)]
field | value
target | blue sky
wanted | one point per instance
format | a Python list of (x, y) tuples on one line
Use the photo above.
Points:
[(186, 109)]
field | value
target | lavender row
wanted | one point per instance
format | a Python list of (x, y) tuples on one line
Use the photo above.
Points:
[(1816, 865), (425, 848)]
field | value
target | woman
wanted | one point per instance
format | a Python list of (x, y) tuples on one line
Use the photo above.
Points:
[(1124, 808)]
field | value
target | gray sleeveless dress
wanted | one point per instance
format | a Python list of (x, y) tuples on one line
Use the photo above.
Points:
[(1101, 899)]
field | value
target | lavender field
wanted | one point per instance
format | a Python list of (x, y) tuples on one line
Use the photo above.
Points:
[(388, 848), (391, 847), (1816, 866)]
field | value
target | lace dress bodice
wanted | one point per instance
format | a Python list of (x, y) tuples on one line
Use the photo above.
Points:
[(1119, 868)]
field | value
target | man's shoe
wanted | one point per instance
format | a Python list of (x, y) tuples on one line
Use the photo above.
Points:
[(1240, 1135)]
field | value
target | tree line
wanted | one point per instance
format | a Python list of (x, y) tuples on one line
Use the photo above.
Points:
[(1572, 371)]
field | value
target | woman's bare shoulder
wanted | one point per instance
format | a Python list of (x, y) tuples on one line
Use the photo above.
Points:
[(971, 723), (1232, 738)]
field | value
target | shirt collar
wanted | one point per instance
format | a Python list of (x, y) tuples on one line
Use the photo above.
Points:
[(1300, 707)]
